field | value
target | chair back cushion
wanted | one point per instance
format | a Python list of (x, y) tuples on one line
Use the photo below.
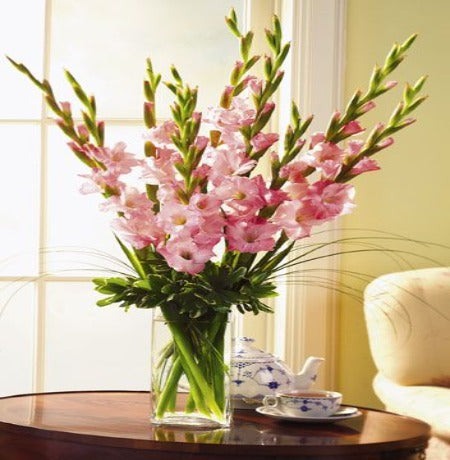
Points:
[(408, 321)]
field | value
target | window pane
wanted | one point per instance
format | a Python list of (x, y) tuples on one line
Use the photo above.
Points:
[(19, 205), (88, 347), (73, 219), (16, 337), (108, 56), (21, 38)]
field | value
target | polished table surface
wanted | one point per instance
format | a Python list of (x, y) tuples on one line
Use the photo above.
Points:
[(115, 425)]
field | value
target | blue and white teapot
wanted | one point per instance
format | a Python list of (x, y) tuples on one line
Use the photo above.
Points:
[(255, 374)]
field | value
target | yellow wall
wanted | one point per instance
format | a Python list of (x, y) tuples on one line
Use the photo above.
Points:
[(410, 195)]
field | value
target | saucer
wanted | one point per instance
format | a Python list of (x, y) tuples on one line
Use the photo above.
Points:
[(342, 414)]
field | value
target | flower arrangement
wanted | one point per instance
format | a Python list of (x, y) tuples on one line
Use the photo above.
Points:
[(205, 231)]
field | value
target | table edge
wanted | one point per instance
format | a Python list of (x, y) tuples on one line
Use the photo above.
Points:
[(203, 448)]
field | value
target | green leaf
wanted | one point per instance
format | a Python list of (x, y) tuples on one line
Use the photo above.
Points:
[(142, 284), (132, 258), (108, 301)]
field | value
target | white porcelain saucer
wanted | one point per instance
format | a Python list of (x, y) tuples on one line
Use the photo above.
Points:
[(342, 414)]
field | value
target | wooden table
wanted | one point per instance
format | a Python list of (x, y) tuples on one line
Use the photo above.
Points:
[(115, 425)]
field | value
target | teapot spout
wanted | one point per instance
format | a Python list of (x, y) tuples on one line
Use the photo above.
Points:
[(307, 376)]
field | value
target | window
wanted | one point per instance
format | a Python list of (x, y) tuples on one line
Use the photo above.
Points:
[(51, 337)]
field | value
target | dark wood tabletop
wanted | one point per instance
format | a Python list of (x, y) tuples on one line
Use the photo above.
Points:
[(115, 425)]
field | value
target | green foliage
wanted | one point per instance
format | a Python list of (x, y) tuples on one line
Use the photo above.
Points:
[(217, 288)]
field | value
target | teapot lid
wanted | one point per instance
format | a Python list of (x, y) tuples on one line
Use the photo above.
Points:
[(243, 349)]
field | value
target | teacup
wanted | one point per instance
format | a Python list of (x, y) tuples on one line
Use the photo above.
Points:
[(314, 403)]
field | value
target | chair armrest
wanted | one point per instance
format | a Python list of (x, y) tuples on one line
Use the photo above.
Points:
[(428, 403)]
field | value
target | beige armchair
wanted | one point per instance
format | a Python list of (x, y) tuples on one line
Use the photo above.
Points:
[(408, 321)]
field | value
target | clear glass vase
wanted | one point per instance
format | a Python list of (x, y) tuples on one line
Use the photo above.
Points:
[(190, 369)]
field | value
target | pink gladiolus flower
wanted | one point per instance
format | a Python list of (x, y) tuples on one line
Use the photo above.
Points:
[(116, 159), (240, 114), (205, 204), (294, 171), (168, 192), (353, 127), (329, 199), (316, 138), (210, 231), (141, 230), (160, 135), (354, 147), (227, 162), (364, 165), (255, 84), (252, 235), (327, 158), (160, 169), (296, 190), (241, 195), (271, 197), (175, 217), (296, 218), (99, 181), (130, 202), (263, 141), (202, 172), (185, 256)]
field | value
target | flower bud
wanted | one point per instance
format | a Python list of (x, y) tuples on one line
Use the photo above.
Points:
[(274, 158), (268, 107), (300, 143), (236, 72), (149, 114), (197, 116), (385, 143), (408, 121), (227, 96), (390, 84), (66, 107), (83, 131), (368, 106), (352, 127)]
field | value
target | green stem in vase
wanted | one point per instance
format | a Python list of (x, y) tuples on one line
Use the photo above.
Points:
[(218, 366), (204, 346), (168, 395), (201, 391)]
